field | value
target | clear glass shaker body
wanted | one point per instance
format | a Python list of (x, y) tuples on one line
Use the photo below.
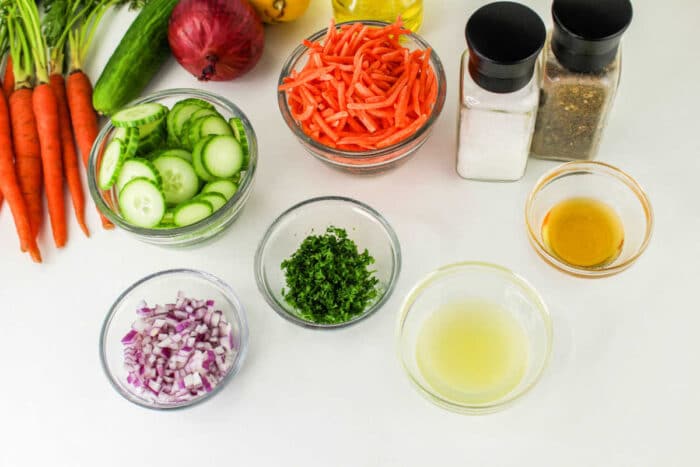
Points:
[(495, 129), (573, 110)]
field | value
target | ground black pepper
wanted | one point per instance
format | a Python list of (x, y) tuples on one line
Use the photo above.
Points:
[(572, 111)]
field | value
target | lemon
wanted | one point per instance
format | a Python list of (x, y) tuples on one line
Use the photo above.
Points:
[(279, 11)]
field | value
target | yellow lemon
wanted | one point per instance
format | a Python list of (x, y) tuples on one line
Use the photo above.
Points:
[(279, 11)]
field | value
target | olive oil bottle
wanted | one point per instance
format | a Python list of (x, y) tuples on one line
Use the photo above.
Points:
[(472, 352), (411, 11), (583, 232)]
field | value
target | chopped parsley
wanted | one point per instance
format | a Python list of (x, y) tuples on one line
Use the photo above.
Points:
[(328, 279)]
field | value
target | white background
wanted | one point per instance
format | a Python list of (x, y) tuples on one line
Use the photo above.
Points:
[(623, 386)]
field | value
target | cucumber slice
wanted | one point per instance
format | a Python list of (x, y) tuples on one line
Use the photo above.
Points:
[(136, 168), (206, 126), (181, 153), (214, 125), (139, 115), (147, 129), (205, 113), (180, 181), (180, 114), (197, 160), (239, 132), (142, 203), (132, 142), (119, 133), (192, 211), (112, 160), (168, 218), (201, 113), (222, 156), (217, 200), (224, 187)]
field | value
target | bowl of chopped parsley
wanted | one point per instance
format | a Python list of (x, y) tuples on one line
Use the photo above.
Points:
[(328, 262)]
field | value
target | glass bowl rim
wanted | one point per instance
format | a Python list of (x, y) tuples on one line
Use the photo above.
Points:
[(435, 276), (243, 188), (213, 280), (280, 310), (599, 168), (299, 52)]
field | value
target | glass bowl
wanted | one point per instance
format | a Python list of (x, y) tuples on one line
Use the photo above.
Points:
[(158, 289), (370, 161), (365, 226), (602, 182), (205, 229), (475, 281)]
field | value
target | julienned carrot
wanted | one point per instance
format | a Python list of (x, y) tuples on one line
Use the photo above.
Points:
[(48, 126), (9, 186), (27, 154), (70, 156), (361, 89), (84, 118), (8, 81)]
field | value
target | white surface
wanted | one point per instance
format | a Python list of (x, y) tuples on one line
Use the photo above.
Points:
[(622, 388)]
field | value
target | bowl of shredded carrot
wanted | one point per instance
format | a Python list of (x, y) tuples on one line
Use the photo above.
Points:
[(362, 96)]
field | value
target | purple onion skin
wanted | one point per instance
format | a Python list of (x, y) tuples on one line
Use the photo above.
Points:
[(217, 40)]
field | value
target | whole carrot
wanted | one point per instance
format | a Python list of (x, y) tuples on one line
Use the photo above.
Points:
[(84, 118), (10, 186), (46, 115), (70, 157), (8, 82), (48, 126), (27, 154)]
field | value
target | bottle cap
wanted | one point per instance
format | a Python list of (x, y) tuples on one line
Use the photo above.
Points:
[(587, 33), (504, 39)]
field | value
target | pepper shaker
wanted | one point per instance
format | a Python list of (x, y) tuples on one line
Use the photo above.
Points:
[(499, 91), (580, 76)]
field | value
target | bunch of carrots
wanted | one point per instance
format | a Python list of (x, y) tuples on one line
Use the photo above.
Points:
[(44, 116)]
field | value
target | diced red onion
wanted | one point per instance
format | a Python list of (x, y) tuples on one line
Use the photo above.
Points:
[(178, 351)]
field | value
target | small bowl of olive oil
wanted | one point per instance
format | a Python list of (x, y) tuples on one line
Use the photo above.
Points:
[(473, 337), (589, 219)]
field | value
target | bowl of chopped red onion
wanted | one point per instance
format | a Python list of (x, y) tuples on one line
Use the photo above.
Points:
[(173, 339)]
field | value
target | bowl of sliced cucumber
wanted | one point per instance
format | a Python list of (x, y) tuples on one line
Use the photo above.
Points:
[(174, 168)]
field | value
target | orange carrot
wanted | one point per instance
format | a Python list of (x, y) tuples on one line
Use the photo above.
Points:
[(70, 156), (84, 118), (49, 129), (10, 187), (8, 82), (361, 89), (27, 154)]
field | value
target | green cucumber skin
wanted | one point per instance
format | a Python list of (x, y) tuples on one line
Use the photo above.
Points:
[(138, 57)]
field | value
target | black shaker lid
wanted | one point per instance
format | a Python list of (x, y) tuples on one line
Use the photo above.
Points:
[(504, 39), (587, 33)]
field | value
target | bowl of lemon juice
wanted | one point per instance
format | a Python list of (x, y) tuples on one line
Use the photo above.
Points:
[(474, 337)]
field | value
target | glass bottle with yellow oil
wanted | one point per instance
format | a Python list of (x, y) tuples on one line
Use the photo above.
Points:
[(411, 11)]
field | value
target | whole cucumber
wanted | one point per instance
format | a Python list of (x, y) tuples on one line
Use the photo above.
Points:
[(139, 55)]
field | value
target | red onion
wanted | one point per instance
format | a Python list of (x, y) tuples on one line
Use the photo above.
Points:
[(216, 40), (178, 351)]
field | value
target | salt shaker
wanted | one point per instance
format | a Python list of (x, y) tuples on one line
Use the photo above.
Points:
[(499, 91), (580, 76)]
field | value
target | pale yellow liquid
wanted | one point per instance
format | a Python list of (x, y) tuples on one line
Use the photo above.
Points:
[(411, 11), (472, 352)]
